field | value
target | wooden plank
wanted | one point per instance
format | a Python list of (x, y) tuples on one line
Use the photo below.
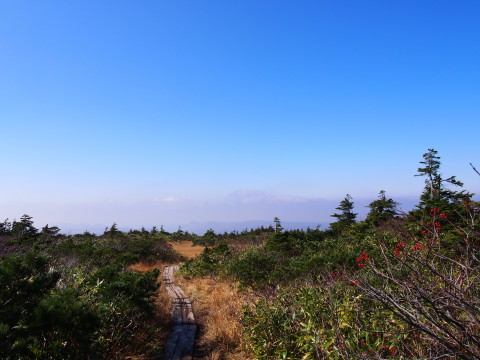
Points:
[(181, 342)]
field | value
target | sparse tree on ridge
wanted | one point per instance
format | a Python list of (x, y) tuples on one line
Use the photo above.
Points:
[(5, 228), (49, 232), (278, 225), (438, 196), (24, 228), (346, 217), (381, 210), (113, 231), (436, 193)]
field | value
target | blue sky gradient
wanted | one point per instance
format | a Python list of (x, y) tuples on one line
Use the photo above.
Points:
[(122, 111)]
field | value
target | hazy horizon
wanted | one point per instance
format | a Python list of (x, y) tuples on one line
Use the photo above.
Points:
[(230, 215)]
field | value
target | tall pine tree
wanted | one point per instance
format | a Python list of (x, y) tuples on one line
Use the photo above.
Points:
[(436, 193)]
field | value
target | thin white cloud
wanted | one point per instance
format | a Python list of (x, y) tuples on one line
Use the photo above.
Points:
[(168, 199), (246, 196)]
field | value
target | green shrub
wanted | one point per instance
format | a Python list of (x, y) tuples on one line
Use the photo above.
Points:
[(212, 261), (253, 267), (294, 242), (65, 326), (123, 302), (328, 322)]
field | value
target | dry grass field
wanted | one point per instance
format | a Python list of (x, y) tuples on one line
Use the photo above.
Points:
[(218, 309), (142, 267), (186, 248)]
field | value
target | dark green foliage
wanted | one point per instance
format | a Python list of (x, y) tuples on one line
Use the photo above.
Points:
[(24, 230), (285, 243), (123, 249), (24, 282), (66, 326), (317, 322), (5, 228), (89, 307), (294, 242), (381, 210), (181, 235), (211, 261), (278, 225), (285, 257), (49, 232), (259, 266), (253, 267), (89, 319), (39, 321), (208, 239), (124, 303), (436, 193), (255, 236), (113, 231), (346, 217), (131, 289)]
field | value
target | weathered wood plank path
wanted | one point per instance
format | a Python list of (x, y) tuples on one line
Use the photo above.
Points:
[(181, 342)]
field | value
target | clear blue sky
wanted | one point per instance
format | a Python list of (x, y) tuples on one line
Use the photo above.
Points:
[(153, 112)]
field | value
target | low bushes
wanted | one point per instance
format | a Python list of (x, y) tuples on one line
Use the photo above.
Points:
[(322, 322), (93, 319), (71, 297)]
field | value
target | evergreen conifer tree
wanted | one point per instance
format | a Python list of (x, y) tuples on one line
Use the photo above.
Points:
[(436, 194), (346, 217), (381, 210), (24, 228), (278, 225)]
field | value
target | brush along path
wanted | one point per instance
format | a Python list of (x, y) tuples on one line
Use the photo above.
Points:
[(181, 342)]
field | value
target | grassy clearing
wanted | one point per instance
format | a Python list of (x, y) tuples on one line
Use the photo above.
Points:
[(218, 310), (186, 248)]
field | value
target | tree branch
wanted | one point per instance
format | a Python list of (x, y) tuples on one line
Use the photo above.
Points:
[(474, 169)]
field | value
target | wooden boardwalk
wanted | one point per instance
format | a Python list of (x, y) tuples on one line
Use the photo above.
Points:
[(180, 344)]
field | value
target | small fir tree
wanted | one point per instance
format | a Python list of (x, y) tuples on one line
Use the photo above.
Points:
[(346, 217), (24, 228), (278, 225), (5, 228), (381, 210)]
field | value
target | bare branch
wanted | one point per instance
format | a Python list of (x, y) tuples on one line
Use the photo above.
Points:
[(474, 169)]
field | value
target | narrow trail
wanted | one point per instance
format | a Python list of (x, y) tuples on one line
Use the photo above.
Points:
[(180, 344)]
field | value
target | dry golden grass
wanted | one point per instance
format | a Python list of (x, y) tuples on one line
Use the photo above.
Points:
[(142, 267), (163, 312), (186, 248), (218, 309)]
